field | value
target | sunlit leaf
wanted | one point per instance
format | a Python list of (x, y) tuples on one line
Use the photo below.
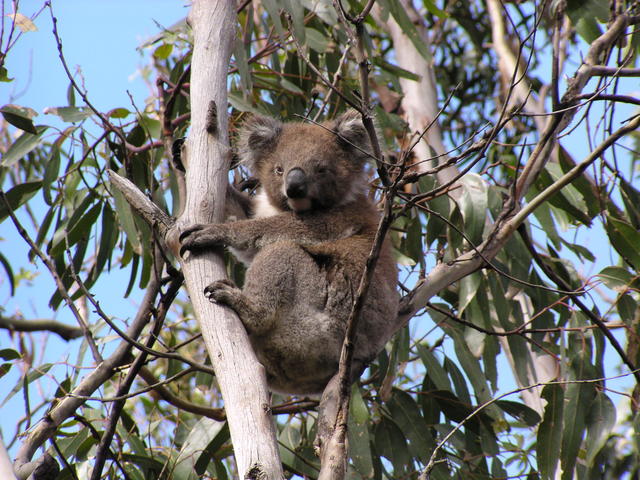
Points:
[(70, 114), (200, 436), (163, 51), (119, 113), (24, 23)]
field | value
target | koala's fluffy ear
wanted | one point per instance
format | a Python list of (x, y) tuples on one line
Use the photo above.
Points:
[(351, 132), (258, 135)]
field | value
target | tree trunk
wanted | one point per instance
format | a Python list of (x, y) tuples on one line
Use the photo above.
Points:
[(239, 374)]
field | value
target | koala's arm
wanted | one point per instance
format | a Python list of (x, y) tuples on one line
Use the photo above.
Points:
[(254, 234), (237, 206)]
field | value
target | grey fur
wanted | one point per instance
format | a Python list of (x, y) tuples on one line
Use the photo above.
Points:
[(305, 254)]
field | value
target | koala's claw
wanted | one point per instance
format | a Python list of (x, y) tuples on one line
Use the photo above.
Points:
[(221, 291), (188, 241)]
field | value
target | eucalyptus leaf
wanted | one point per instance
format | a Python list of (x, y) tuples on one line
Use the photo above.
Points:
[(24, 144)]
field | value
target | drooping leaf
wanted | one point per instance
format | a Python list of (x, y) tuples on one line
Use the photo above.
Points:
[(579, 397), (600, 422), (125, 218), (23, 146), (405, 413), (20, 117), (391, 444), (550, 430), (17, 196), (200, 436), (625, 239), (519, 410), (358, 434)]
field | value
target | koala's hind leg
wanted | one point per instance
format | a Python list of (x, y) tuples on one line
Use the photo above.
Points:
[(226, 293)]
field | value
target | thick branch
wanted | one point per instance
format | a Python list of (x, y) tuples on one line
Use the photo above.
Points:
[(66, 332), (207, 155)]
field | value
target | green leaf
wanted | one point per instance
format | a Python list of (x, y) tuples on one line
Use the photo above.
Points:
[(17, 196), (600, 422), (32, 376), (9, 354), (273, 9), (579, 398), (20, 117), (473, 206), (520, 411), (70, 114), (394, 69), (200, 436), (616, 278), (588, 12), (125, 217), (108, 238), (435, 372), (358, 434), (23, 146), (77, 228), (242, 64), (468, 287), (4, 75), (119, 113), (405, 413), (296, 10), (569, 199), (151, 125), (163, 51), (9, 272), (631, 199), (627, 308), (51, 173), (433, 8), (550, 431), (625, 239), (316, 40), (391, 444)]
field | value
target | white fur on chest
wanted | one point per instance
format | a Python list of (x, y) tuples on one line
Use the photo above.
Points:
[(262, 207)]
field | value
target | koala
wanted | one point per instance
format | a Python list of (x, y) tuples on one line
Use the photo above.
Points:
[(306, 243)]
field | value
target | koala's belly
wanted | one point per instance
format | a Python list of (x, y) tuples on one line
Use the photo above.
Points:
[(298, 365)]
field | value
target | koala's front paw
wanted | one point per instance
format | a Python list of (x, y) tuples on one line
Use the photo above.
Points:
[(198, 237), (223, 291)]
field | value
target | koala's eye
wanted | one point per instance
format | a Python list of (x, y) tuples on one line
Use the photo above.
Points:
[(278, 170), (322, 170)]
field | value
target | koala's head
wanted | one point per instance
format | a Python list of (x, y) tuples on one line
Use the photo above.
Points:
[(302, 166)]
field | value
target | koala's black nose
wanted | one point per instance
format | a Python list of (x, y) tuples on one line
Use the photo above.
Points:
[(296, 183)]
